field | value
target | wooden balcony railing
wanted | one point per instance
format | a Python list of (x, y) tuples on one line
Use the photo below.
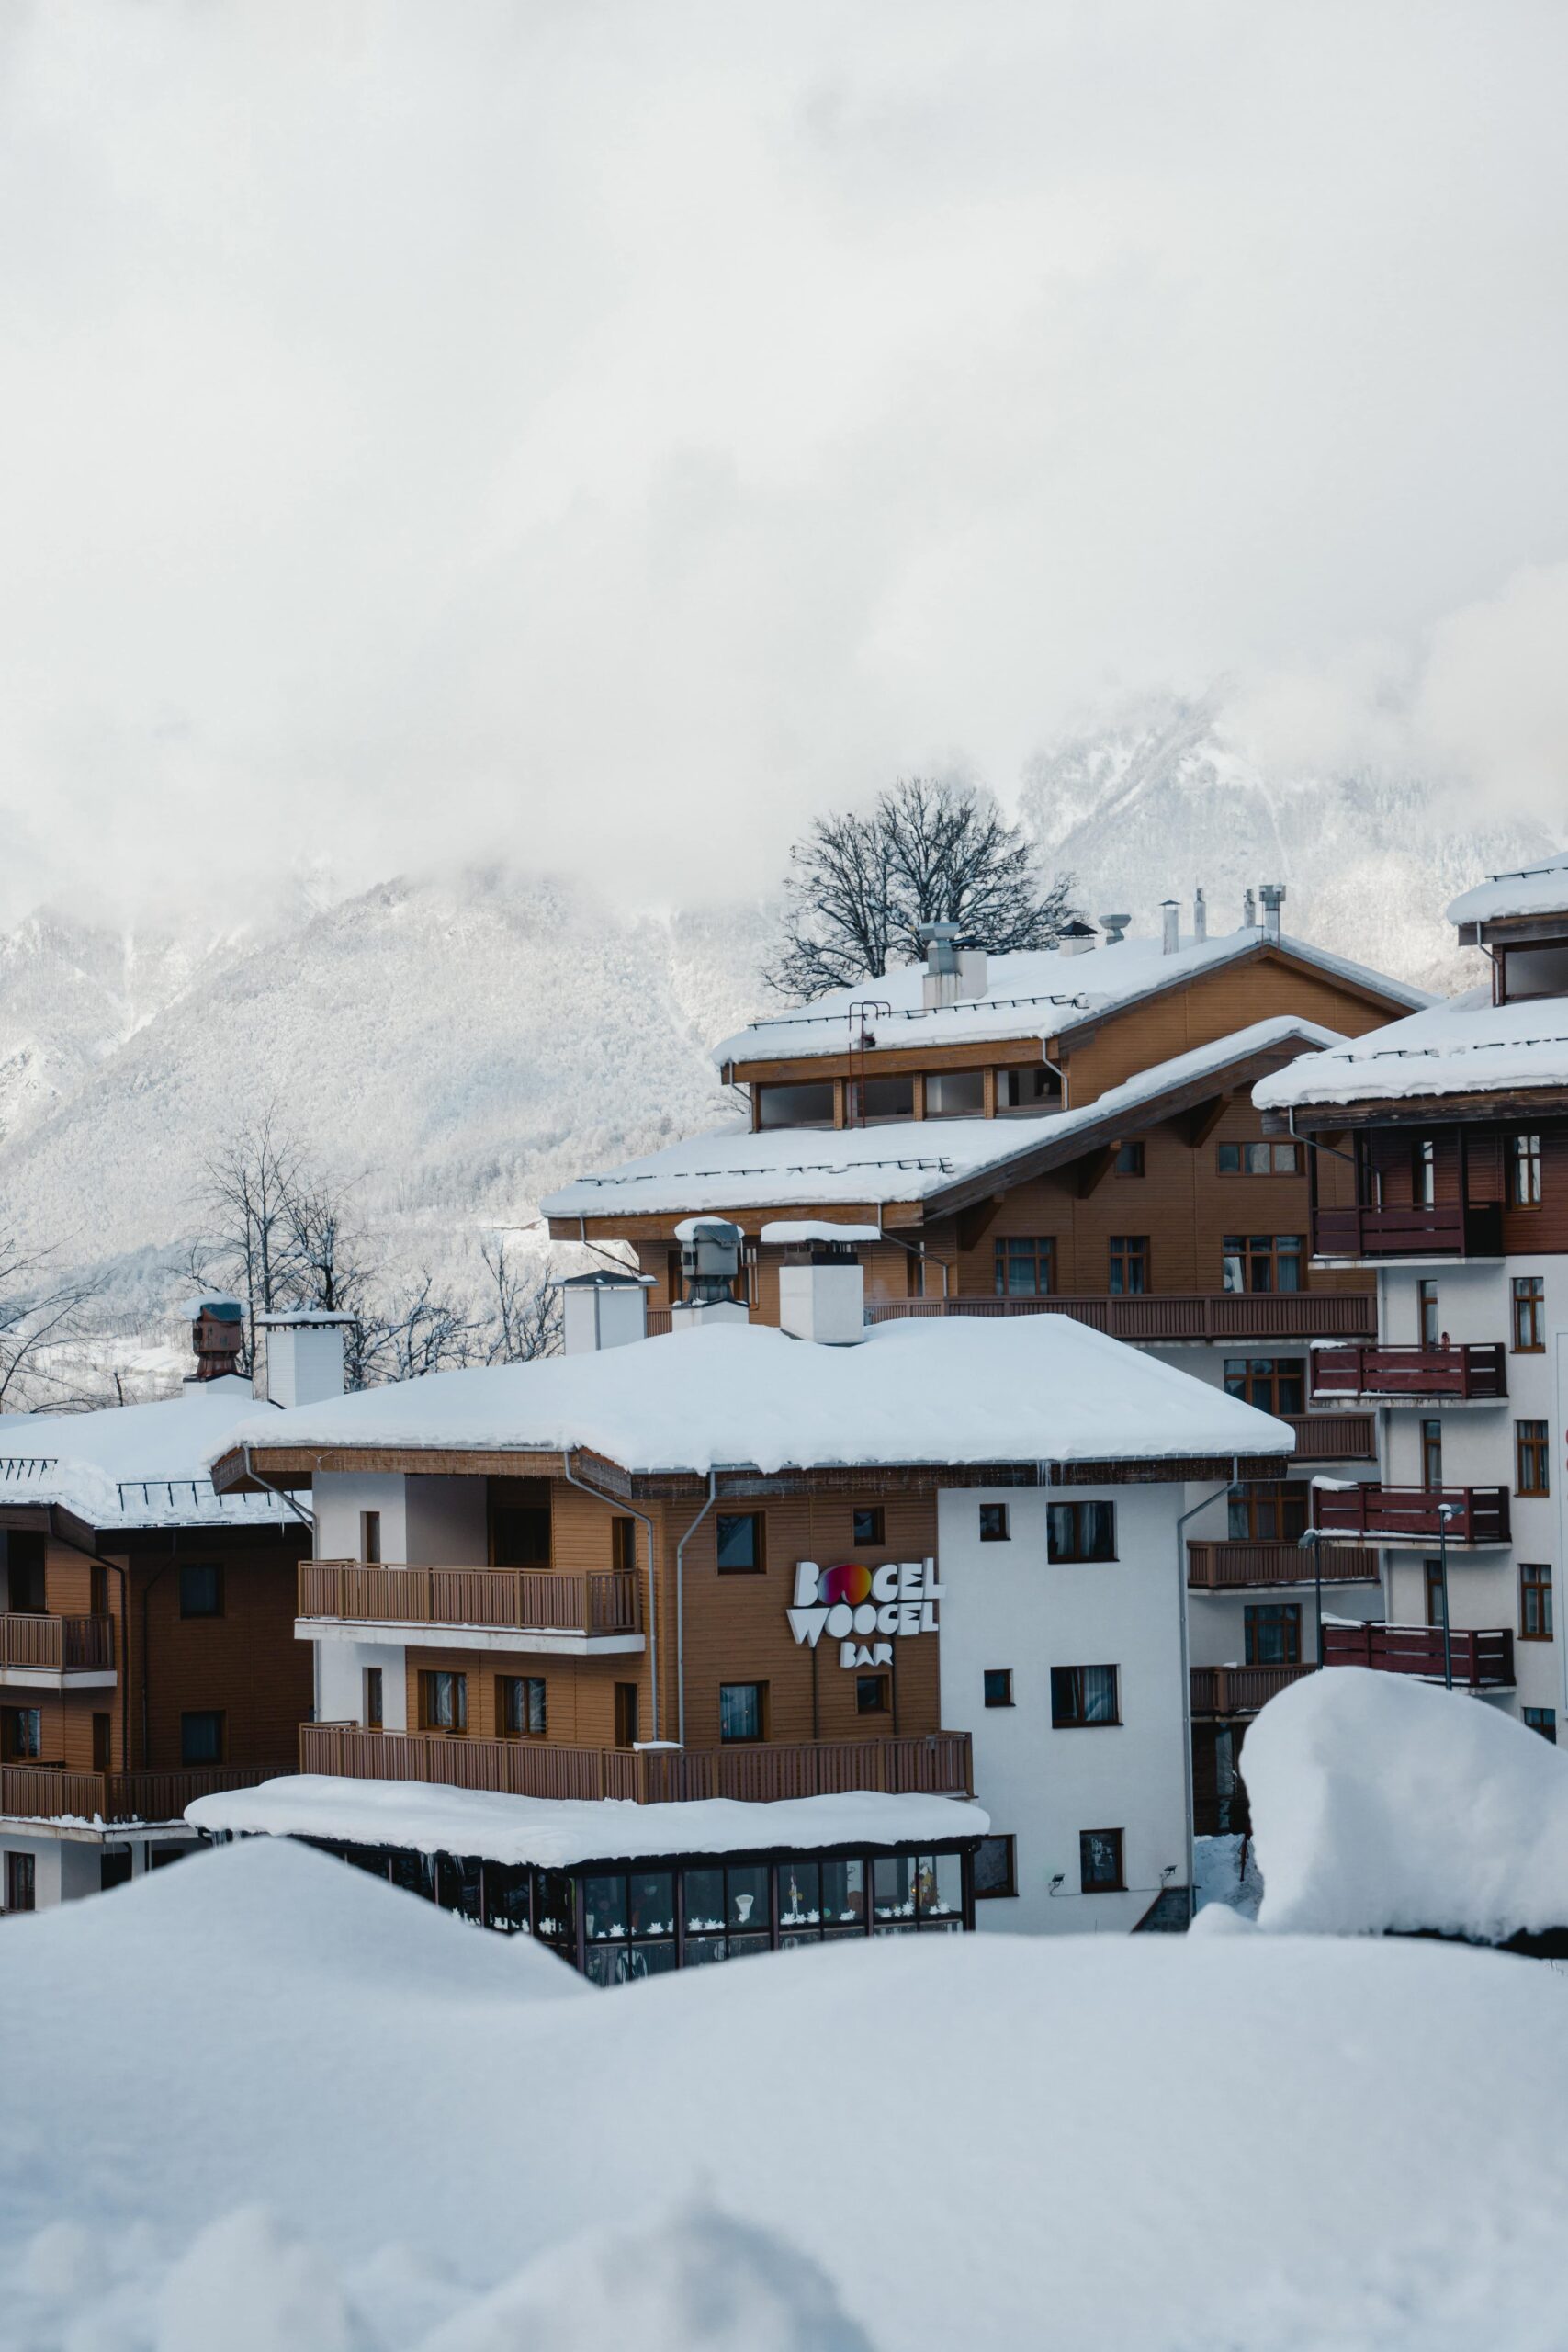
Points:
[(1235, 1567), (1332, 1437), (1465, 1373), (1448, 1229), (1176, 1315), (521, 1599), (1409, 1514), (929, 1764), (1239, 1690), (50, 1793), (58, 1645), (1481, 1661)]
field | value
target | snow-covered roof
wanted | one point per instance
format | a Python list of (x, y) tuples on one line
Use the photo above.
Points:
[(1466, 1045), (908, 1159), (1040, 1388), (132, 1465), (1035, 993), (557, 1833), (783, 1231), (1531, 890)]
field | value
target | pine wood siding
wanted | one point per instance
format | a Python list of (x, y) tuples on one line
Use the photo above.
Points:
[(1211, 1005), (246, 1663)]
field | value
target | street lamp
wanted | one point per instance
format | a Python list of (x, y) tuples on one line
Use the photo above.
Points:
[(1445, 1512)]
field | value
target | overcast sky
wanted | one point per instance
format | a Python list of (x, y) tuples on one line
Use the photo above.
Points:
[(601, 434)]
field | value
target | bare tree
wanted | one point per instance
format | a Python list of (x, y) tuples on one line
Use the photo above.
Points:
[(928, 852), (418, 1332), (40, 1313), (252, 1244), (526, 1316)]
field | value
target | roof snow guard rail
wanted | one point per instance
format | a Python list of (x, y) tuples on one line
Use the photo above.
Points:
[(1444, 1053), (921, 1011), (17, 1467), (170, 1494), (943, 1167)]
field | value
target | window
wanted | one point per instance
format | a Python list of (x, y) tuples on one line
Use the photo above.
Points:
[(1025, 1268), (1431, 1454), (520, 1534), (1263, 1261), (871, 1694), (955, 1094), (1274, 1384), (1524, 1171), (730, 1913), (1082, 1695), (24, 1555), (1027, 1090), (1531, 1472), (623, 1545), (999, 1686), (100, 1743), (740, 1541), (21, 1735), (114, 1867), (795, 1106), (1424, 1173), (1428, 1324), (1129, 1160), (996, 1868), (370, 1538), (1543, 1720), (1530, 1315), (1273, 1633), (1129, 1264), (22, 1882), (625, 1714), (1081, 1531), (202, 1737), (444, 1702), (994, 1523), (520, 1706), (1257, 1158), (201, 1589), (97, 1589), (1535, 1601), (1437, 1597), (880, 1100), (741, 1709), (1099, 1862), (373, 1710), (869, 1527)]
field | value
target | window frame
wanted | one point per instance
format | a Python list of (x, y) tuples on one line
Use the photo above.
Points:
[(1527, 1313), (373, 1698), (1532, 1459), (884, 1700), (1128, 1253), (1262, 1387), (1068, 1708), (213, 1568), (430, 1677), (1535, 1601), (995, 1524), (758, 1565), (21, 1881), (750, 1738), (1009, 1251), (1524, 1170), (941, 1077), (1130, 1160), (370, 1539), (875, 1540), (218, 1717), (15, 1747), (1284, 1158), (760, 1094), (1078, 1556), (1006, 1839), (1001, 1674), (1257, 1615), (1542, 1721), (532, 1686), (1426, 1297), (1250, 1251), (1100, 1885)]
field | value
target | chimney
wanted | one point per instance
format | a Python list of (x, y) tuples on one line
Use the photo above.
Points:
[(1170, 926), (1249, 912), (602, 1309), (1273, 896), (956, 970), (710, 1273), (1200, 917), (1115, 928), (217, 1339), (1075, 938), (304, 1355), (821, 1280)]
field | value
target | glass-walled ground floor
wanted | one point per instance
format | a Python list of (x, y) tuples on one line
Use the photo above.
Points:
[(617, 1920)]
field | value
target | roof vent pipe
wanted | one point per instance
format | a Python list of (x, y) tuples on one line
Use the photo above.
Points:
[(1249, 912), (1200, 917), (1170, 926), (1273, 896), (1115, 928)]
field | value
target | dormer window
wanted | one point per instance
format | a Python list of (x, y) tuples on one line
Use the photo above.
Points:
[(795, 1106), (877, 1100), (1027, 1092), (1526, 972), (955, 1094)]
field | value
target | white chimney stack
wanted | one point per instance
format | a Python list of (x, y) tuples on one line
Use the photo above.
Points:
[(821, 1280), (1200, 917), (602, 1309), (1170, 925), (710, 1274), (1273, 896), (304, 1355), (1249, 912), (954, 973)]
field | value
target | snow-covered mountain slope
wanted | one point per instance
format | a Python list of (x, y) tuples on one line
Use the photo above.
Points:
[(1164, 801)]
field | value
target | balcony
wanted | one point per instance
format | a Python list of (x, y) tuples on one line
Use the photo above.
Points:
[(1332, 1437), (505, 1608), (1465, 1374), (1481, 1661), (1448, 1229), (923, 1764), (1173, 1316), (1243, 1567), (57, 1652), (1239, 1690), (50, 1793), (1409, 1514)]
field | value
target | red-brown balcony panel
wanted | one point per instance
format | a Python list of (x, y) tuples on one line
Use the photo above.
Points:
[(1332, 1437), (1409, 1514), (50, 1793), (1239, 1690), (1448, 1229), (520, 1600), (1174, 1315), (1457, 1374), (1235, 1567), (1481, 1661), (56, 1644)]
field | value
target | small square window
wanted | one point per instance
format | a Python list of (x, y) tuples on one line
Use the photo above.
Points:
[(1227, 1159), (1543, 1720), (994, 1523), (739, 1539), (201, 1589), (999, 1686), (741, 1708), (201, 1738), (1099, 1862), (1081, 1531), (869, 1527), (1130, 1159), (871, 1694), (1082, 1695), (996, 1867)]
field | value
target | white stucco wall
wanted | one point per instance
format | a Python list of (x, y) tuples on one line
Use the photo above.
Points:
[(340, 1682), (434, 1522)]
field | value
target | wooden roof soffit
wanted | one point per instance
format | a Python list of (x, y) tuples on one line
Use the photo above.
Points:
[(1327, 1120)]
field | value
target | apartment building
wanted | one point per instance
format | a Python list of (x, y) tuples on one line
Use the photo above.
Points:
[(147, 1650), (746, 1583), (1067, 1134), (1450, 1130)]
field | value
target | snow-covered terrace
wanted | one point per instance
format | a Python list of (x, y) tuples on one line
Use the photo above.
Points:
[(1036, 993), (908, 1159), (130, 1466), (1467, 1046)]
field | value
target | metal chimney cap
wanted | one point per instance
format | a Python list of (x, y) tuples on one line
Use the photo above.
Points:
[(1114, 927)]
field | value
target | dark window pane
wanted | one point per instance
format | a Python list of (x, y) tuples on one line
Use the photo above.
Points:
[(201, 1589), (522, 1536), (604, 1909), (993, 1522), (999, 1686), (651, 1900), (750, 1901), (201, 1738), (703, 1895), (867, 1528), (741, 1711), (844, 1893), (739, 1539), (893, 1886), (994, 1871), (800, 1895)]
